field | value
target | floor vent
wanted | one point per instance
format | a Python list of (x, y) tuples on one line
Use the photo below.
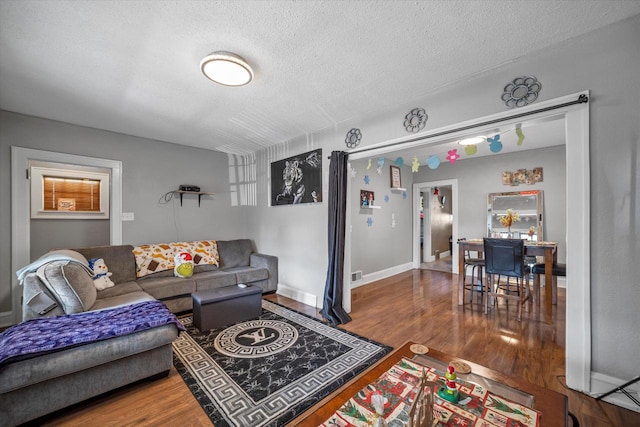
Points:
[(356, 276)]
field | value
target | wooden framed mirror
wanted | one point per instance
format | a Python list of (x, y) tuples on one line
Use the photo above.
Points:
[(529, 207)]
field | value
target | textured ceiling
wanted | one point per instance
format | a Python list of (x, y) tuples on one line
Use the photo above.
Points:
[(133, 66)]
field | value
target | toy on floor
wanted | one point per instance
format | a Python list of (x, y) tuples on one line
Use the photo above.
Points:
[(450, 392), (101, 274)]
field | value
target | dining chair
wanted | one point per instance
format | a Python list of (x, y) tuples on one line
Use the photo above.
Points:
[(538, 270), (477, 267), (504, 257)]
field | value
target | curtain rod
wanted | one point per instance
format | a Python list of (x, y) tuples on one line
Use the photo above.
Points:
[(581, 100)]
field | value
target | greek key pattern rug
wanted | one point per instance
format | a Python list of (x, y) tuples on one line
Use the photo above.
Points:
[(267, 371)]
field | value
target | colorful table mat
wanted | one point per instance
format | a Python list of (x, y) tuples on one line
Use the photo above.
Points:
[(399, 387)]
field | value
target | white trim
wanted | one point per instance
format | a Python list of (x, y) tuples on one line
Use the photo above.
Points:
[(578, 313), (578, 318), (417, 189), (297, 295), (20, 207), (382, 274), (601, 384)]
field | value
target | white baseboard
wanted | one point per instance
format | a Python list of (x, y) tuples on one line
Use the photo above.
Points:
[(382, 274), (601, 383), (6, 318), (297, 294)]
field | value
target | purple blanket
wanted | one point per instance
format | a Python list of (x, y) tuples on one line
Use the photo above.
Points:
[(46, 335)]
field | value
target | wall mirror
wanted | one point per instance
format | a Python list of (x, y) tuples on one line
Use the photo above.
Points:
[(527, 204)]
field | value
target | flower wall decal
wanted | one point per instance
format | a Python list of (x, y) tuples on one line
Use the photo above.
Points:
[(521, 91), (452, 156), (471, 149), (415, 164), (495, 145), (353, 138), (433, 162), (415, 120)]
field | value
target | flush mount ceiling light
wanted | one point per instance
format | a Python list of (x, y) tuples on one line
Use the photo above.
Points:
[(473, 140), (226, 68)]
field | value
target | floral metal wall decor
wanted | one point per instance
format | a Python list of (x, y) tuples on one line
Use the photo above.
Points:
[(521, 91), (522, 176), (353, 138), (415, 120)]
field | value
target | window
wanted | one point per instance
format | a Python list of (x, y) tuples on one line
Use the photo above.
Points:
[(60, 193)]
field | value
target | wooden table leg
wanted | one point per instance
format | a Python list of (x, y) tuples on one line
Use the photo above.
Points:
[(461, 277), (548, 279)]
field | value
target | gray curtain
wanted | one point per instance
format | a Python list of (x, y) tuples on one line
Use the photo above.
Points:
[(332, 309)]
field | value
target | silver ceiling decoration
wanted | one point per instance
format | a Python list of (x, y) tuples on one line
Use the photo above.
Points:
[(353, 138), (415, 120), (521, 91)]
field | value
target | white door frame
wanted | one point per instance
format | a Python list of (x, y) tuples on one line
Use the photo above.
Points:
[(578, 310), (20, 207), (417, 189)]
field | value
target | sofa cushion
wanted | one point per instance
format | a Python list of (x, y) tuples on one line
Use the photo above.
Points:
[(168, 287), (235, 253), (119, 260), (121, 300), (27, 372), (159, 257), (119, 289), (214, 279), (70, 284), (249, 274)]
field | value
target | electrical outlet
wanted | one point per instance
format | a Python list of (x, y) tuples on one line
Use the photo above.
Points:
[(128, 216)]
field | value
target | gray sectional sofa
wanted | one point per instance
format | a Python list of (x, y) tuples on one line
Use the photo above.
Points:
[(43, 384)]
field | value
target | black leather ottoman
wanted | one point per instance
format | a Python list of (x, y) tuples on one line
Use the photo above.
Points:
[(219, 307)]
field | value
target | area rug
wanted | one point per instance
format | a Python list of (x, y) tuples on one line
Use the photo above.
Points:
[(267, 371)]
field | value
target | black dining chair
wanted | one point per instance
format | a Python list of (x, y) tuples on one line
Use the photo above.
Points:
[(505, 257), (477, 268), (538, 270)]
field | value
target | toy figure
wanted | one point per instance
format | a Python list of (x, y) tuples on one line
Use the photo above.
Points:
[(101, 274)]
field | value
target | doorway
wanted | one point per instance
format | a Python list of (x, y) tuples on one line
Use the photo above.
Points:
[(436, 225), (21, 160), (575, 116)]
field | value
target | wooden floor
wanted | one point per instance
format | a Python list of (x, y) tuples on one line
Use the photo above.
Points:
[(418, 305)]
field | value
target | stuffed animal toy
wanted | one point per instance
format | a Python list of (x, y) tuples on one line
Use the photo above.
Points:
[(183, 265), (101, 274)]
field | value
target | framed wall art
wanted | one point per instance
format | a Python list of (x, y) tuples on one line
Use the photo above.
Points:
[(367, 199), (297, 179), (396, 181)]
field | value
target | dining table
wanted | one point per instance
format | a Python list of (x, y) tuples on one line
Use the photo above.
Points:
[(547, 250)]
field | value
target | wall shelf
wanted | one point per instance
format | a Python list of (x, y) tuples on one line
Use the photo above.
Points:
[(371, 207), (398, 189), (199, 193)]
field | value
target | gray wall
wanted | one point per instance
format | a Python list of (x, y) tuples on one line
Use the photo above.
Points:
[(606, 63), (150, 170), (382, 245), (477, 177), (62, 233)]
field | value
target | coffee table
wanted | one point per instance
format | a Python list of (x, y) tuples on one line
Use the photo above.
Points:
[(552, 405)]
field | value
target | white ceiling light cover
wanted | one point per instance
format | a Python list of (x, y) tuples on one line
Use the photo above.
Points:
[(226, 68), (473, 140)]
